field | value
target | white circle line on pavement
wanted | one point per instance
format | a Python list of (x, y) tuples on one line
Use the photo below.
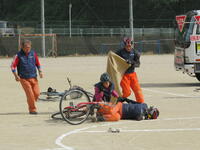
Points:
[(81, 130), (60, 138)]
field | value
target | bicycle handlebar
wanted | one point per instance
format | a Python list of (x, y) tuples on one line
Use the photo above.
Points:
[(69, 82)]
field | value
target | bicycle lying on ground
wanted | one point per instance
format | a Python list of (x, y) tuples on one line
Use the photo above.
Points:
[(75, 106), (74, 110), (79, 113), (71, 97), (53, 95)]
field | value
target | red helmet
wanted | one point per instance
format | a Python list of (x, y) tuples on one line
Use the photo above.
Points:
[(127, 41), (153, 113)]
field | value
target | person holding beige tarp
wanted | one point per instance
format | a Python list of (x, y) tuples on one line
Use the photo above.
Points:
[(122, 70)]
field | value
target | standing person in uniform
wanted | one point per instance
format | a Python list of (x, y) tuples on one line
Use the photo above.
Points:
[(129, 79), (26, 61)]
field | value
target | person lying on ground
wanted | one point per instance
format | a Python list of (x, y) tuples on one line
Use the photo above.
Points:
[(125, 109)]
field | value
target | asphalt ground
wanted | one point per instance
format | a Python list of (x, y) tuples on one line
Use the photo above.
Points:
[(173, 93)]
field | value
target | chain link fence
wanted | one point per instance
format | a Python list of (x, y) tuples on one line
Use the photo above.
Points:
[(93, 40)]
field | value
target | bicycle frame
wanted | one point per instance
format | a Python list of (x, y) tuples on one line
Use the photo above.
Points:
[(54, 95), (81, 105)]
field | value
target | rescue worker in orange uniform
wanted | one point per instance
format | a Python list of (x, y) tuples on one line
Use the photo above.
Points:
[(131, 110), (129, 80), (26, 61)]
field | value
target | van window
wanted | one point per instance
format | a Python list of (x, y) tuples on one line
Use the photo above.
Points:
[(198, 29), (189, 30), (183, 38)]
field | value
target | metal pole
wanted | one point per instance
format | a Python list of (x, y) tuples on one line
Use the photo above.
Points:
[(43, 27), (70, 20), (19, 39), (131, 18)]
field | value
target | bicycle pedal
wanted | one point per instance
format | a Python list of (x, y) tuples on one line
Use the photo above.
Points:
[(93, 119)]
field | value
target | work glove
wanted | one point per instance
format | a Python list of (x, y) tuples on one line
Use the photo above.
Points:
[(121, 99), (129, 61)]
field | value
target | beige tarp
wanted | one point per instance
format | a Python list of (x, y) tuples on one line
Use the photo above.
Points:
[(116, 66)]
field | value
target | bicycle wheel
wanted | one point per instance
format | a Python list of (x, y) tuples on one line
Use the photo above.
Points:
[(76, 115), (48, 96), (68, 106), (57, 115)]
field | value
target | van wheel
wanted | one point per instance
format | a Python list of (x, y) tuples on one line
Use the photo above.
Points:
[(197, 76)]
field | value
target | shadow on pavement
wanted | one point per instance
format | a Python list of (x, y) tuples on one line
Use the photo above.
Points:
[(23, 113)]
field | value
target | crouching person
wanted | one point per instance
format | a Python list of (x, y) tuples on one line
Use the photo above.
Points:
[(104, 89)]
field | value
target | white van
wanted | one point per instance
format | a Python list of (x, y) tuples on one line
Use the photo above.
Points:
[(4, 30), (187, 45)]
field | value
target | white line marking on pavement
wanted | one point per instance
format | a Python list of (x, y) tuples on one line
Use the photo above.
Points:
[(149, 130), (185, 118), (169, 93), (56, 149)]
